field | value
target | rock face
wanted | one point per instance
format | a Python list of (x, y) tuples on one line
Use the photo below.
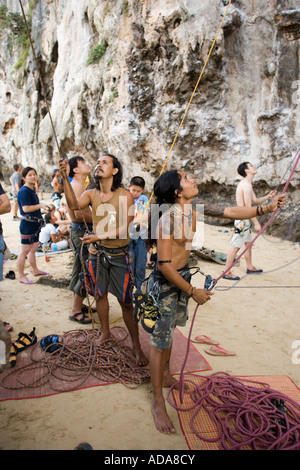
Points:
[(140, 100)]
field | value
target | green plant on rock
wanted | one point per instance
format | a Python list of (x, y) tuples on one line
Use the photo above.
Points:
[(96, 53), (16, 26), (125, 7), (114, 95)]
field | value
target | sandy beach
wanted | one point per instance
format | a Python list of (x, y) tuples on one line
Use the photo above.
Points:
[(257, 318)]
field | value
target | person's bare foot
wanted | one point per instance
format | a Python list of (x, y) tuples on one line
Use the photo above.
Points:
[(161, 419), (140, 357), (104, 337), (169, 381)]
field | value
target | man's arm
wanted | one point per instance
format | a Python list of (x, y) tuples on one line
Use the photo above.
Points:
[(73, 203), (260, 200), (237, 212), (5, 206)]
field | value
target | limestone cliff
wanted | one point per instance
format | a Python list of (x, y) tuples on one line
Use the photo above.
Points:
[(119, 76)]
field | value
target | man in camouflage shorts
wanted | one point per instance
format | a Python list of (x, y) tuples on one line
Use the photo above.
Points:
[(173, 308)]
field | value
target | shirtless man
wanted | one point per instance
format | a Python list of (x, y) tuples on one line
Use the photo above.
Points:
[(111, 218), (79, 169), (57, 187), (245, 197), (173, 238)]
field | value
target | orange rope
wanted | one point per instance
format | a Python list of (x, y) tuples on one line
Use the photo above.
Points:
[(194, 91)]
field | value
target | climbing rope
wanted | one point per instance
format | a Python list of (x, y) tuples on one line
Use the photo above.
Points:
[(234, 285), (294, 219), (192, 96), (180, 382), (81, 355), (120, 9), (266, 224), (245, 414)]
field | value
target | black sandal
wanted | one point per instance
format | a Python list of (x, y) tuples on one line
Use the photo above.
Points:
[(81, 320)]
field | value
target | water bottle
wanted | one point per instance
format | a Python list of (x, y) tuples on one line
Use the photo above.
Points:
[(54, 247)]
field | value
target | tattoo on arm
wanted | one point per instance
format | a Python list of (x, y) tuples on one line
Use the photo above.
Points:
[(209, 209), (167, 224)]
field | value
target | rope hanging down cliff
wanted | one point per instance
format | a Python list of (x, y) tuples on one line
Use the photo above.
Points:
[(46, 101), (193, 94)]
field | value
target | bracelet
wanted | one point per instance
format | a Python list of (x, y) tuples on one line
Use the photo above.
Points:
[(260, 210), (191, 294)]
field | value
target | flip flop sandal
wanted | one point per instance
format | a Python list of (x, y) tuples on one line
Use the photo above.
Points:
[(81, 320), (202, 339), (218, 351), (23, 342), (231, 277)]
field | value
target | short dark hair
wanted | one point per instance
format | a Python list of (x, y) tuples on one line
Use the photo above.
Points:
[(48, 216), (16, 166), (137, 181), (242, 169), (73, 163)]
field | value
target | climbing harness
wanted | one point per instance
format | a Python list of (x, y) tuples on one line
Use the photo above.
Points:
[(210, 283)]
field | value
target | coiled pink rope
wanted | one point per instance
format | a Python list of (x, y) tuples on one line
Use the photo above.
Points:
[(256, 421), (243, 414)]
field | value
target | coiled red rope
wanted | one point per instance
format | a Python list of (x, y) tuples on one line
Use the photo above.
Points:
[(245, 413), (225, 398)]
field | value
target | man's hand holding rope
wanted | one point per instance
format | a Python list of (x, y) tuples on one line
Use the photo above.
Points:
[(276, 203)]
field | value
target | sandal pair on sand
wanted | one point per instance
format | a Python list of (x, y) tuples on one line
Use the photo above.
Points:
[(215, 349), (23, 342)]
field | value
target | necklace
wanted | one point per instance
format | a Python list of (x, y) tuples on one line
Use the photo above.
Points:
[(179, 211)]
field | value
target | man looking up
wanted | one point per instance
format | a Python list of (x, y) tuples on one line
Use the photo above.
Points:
[(107, 265), (245, 197), (79, 170)]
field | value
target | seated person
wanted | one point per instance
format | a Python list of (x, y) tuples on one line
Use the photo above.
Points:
[(63, 222), (50, 237)]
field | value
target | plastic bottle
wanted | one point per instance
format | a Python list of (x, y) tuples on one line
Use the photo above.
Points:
[(54, 247)]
